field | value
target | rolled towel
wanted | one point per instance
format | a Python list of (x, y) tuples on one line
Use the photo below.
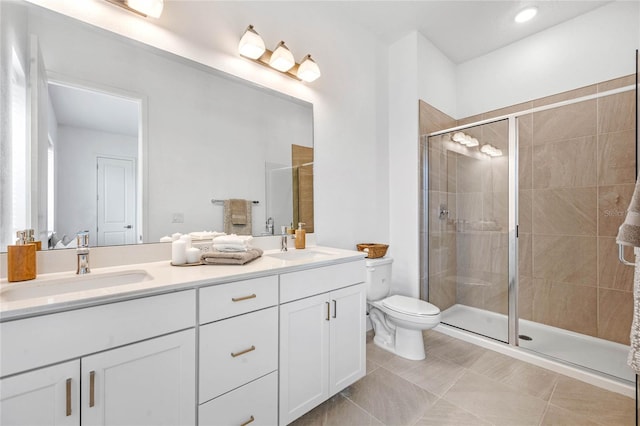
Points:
[(205, 235), (230, 258), (233, 239)]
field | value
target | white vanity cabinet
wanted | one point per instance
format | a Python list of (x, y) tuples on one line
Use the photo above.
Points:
[(322, 335), (238, 350), (45, 397), (133, 363)]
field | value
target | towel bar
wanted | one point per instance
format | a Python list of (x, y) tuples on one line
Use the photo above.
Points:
[(214, 201), (621, 256)]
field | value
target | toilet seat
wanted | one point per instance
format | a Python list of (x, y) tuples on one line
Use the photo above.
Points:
[(410, 306)]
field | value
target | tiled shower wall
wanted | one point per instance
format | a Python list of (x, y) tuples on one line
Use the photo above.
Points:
[(576, 178)]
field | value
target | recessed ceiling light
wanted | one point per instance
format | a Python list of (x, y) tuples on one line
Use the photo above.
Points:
[(526, 14)]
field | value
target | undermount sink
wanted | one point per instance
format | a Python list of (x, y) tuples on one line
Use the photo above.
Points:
[(300, 254), (52, 287)]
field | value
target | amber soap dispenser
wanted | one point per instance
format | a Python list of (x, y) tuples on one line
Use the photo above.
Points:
[(301, 236), (21, 259)]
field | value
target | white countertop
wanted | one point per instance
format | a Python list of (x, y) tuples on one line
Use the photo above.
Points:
[(163, 278)]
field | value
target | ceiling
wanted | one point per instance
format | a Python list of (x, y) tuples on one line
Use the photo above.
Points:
[(94, 110), (462, 30)]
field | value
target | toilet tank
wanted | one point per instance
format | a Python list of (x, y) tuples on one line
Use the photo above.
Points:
[(378, 277)]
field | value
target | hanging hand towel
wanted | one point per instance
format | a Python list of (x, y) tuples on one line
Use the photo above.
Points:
[(634, 353), (230, 225), (238, 211), (629, 231)]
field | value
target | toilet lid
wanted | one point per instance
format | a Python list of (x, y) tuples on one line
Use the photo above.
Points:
[(410, 305)]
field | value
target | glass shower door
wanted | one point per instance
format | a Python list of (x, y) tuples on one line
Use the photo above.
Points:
[(468, 227)]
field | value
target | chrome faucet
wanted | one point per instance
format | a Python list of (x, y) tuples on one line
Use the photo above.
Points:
[(83, 252), (270, 226), (283, 238)]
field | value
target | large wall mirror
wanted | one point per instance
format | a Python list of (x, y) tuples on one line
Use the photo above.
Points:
[(132, 143)]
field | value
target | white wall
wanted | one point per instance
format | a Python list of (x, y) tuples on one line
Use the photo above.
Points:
[(597, 46), (349, 113), (403, 164), (417, 70), (437, 83)]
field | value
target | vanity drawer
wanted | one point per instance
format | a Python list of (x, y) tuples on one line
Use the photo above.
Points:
[(257, 400), (236, 351), (228, 300), (300, 284)]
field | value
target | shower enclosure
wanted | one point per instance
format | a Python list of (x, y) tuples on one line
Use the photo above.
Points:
[(522, 210)]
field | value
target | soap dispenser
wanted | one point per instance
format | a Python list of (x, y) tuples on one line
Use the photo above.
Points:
[(21, 259), (301, 236)]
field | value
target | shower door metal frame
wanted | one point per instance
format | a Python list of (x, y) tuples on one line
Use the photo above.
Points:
[(513, 317), (512, 234)]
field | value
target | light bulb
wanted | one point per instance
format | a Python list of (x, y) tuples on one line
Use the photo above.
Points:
[(152, 8), (458, 137), (526, 14), (282, 58), (251, 44), (471, 142), (308, 70)]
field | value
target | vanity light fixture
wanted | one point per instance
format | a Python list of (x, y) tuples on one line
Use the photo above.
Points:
[(252, 46), (526, 14), (152, 8)]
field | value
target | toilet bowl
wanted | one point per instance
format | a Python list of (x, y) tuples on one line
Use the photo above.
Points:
[(398, 321)]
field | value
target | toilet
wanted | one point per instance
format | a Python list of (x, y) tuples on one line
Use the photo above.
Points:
[(398, 321)]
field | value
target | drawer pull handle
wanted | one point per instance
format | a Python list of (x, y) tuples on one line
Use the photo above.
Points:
[(248, 421), (92, 389), (335, 308), (68, 411), (240, 299), (328, 310), (236, 354)]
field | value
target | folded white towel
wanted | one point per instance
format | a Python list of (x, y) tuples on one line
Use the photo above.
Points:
[(233, 239), (230, 247)]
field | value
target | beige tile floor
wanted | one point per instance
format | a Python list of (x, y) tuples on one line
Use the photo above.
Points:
[(463, 384)]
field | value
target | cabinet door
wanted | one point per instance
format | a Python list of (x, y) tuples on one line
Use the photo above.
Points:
[(146, 383), (304, 350), (347, 347), (48, 396)]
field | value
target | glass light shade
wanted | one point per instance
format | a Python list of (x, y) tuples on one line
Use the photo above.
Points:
[(526, 14), (282, 58), (308, 70), (152, 8), (458, 137), (472, 142), (251, 44)]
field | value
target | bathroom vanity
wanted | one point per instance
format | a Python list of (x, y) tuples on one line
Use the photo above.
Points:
[(150, 343)]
